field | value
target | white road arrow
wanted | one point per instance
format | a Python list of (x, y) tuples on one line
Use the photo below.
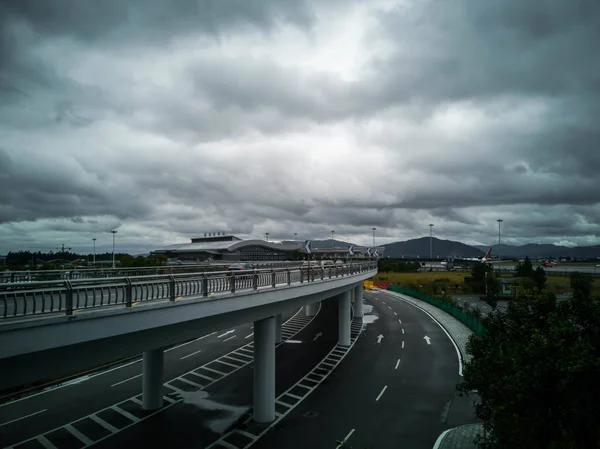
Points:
[(427, 339), (379, 338), (320, 334), (226, 333)]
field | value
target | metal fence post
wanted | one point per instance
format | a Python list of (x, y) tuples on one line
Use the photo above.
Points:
[(273, 280), (204, 285), (171, 288), (128, 293), (322, 272), (288, 276), (301, 275), (232, 282), (68, 298)]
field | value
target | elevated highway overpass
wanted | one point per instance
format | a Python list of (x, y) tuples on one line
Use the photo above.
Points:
[(60, 327)]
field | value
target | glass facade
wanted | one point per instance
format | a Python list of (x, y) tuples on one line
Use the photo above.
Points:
[(258, 253)]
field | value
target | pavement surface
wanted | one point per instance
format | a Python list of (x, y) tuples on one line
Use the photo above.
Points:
[(43, 411), (395, 388), (461, 436), (202, 416)]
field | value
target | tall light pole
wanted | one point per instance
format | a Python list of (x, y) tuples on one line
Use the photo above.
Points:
[(332, 232), (295, 236), (374, 229), (113, 233), (94, 240), (267, 236), (430, 241), (499, 221)]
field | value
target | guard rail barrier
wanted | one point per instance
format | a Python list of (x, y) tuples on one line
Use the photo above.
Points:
[(68, 296), (466, 318)]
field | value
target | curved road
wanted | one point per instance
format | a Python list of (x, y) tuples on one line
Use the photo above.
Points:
[(399, 392), (395, 388)]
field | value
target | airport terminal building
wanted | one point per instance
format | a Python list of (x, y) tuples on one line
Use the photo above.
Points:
[(219, 246)]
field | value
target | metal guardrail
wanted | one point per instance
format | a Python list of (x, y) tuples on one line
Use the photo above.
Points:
[(67, 296), (464, 317), (92, 273)]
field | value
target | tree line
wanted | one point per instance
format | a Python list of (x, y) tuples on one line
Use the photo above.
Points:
[(536, 369), (29, 260)]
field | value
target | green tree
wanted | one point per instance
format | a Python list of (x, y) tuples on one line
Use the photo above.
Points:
[(524, 269), (126, 261), (526, 289), (539, 277), (537, 367), (493, 289), (581, 282), (478, 275)]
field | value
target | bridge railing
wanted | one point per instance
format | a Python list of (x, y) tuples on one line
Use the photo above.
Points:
[(70, 296), (29, 276)]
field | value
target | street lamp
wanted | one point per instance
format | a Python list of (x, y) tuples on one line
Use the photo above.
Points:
[(295, 236), (94, 239), (374, 229), (267, 236), (499, 221), (332, 232), (113, 233), (430, 241)]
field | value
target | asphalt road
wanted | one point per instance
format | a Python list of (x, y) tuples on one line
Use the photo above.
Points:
[(203, 415), (397, 393), (43, 411)]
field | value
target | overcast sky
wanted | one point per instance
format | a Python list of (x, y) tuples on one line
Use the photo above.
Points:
[(168, 119)]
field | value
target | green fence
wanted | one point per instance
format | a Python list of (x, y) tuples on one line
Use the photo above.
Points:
[(466, 318)]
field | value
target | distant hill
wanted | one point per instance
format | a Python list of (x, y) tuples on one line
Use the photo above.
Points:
[(420, 248), (329, 244), (543, 250)]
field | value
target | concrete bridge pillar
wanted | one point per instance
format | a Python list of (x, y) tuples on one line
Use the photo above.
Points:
[(311, 309), (358, 301), (264, 370), (152, 379), (278, 321), (344, 318)]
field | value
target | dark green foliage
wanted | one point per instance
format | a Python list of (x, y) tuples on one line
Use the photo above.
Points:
[(539, 278), (524, 269), (538, 366), (397, 266), (493, 290), (478, 277), (582, 283)]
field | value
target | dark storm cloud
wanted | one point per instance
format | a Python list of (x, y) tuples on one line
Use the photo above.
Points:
[(46, 186), (150, 20), (477, 109)]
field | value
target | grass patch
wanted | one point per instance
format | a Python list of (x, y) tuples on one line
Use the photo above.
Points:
[(430, 282), (433, 282), (450, 277)]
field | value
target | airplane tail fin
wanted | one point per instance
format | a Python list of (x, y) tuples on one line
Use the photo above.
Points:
[(488, 254)]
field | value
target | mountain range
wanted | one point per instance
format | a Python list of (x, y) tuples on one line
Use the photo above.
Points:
[(448, 248)]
